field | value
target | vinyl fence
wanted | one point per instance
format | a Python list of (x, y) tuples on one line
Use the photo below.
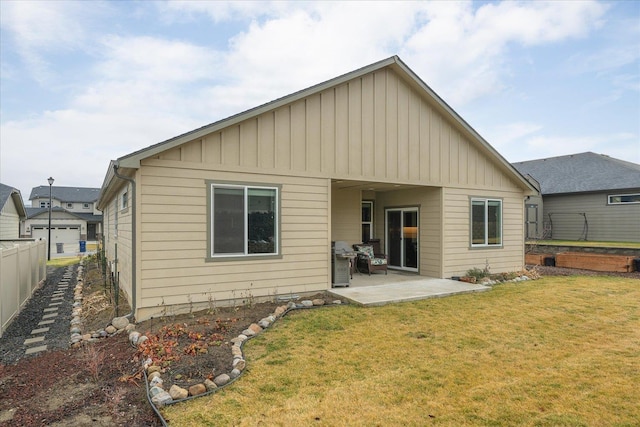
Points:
[(23, 265)]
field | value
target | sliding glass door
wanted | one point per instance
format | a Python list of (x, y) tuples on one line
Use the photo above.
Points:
[(402, 238)]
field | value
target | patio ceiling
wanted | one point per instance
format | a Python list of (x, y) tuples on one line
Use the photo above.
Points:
[(369, 185)]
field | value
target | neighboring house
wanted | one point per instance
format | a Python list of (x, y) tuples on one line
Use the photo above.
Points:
[(74, 216), (584, 196), (247, 207), (12, 211)]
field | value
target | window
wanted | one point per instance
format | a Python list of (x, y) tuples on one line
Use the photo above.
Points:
[(69, 205), (486, 222), (86, 206), (244, 220), (124, 204), (623, 199), (44, 204), (367, 221)]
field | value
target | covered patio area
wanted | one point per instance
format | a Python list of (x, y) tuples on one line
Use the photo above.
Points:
[(381, 289)]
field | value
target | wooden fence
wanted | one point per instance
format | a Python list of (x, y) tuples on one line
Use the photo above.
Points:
[(23, 266)]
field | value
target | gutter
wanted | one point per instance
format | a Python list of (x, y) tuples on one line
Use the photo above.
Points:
[(133, 237)]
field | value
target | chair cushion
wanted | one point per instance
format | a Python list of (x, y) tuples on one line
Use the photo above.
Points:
[(366, 250), (378, 261)]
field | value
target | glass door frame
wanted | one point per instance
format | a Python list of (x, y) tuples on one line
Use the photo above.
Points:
[(403, 260)]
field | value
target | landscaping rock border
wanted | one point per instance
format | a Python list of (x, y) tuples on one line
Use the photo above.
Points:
[(159, 397)]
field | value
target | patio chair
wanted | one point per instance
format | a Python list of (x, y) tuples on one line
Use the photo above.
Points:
[(368, 258)]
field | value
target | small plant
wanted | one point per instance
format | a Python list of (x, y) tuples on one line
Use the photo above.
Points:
[(477, 273), (94, 360)]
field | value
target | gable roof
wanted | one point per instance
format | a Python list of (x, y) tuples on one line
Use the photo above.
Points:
[(66, 194), (133, 159), (579, 173), (6, 193)]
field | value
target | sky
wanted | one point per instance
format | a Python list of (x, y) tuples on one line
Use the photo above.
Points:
[(82, 83)]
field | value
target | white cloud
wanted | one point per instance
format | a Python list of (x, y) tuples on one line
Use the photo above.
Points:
[(625, 146), (42, 28), (146, 88), (461, 50)]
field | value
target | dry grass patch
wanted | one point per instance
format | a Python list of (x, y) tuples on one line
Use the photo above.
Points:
[(557, 351)]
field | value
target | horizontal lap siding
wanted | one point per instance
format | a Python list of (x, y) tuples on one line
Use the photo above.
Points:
[(173, 239), (605, 222), (458, 256)]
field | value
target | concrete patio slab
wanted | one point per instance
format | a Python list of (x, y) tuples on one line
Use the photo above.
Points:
[(408, 290)]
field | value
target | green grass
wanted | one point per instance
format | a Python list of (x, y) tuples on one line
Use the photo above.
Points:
[(625, 245), (63, 262), (552, 352)]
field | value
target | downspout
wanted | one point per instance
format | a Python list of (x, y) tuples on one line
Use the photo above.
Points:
[(133, 238)]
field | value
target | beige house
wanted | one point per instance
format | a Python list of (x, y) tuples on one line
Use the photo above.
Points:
[(12, 211), (248, 206)]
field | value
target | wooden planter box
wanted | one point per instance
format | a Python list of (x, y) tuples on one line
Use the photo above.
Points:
[(535, 259), (595, 262)]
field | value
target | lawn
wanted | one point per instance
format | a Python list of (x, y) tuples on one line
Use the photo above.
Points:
[(560, 351)]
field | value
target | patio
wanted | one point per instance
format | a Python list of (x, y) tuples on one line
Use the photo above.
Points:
[(396, 286)]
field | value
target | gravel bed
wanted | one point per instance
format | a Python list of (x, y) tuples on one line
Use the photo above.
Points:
[(12, 346)]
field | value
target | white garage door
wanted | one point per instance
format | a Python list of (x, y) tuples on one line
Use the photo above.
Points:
[(68, 236)]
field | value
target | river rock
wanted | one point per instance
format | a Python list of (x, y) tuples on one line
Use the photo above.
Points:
[(178, 392), (162, 398), (221, 379), (197, 389), (120, 322), (210, 385), (110, 329)]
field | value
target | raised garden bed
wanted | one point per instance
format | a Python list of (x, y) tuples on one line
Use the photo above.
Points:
[(596, 262)]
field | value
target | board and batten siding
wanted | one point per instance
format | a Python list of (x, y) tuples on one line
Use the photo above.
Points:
[(173, 237), (376, 127), (616, 223), (459, 256)]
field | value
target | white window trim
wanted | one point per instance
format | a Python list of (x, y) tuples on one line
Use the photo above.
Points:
[(213, 256), (124, 201), (486, 222), (609, 202)]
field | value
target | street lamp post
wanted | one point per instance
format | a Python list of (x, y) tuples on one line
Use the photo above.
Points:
[(49, 239)]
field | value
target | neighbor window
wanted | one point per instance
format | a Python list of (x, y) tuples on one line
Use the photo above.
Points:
[(44, 204), (486, 222), (623, 199), (124, 204), (69, 205), (244, 220), (86, 206)]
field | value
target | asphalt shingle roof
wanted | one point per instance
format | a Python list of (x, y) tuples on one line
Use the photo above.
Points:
[(5, 193), (66, 194), (584, 172), (33, 212)]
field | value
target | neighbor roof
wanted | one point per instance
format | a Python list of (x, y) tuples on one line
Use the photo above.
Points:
[(66, 194), (7, 192), (583, 172), (34, 212)]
